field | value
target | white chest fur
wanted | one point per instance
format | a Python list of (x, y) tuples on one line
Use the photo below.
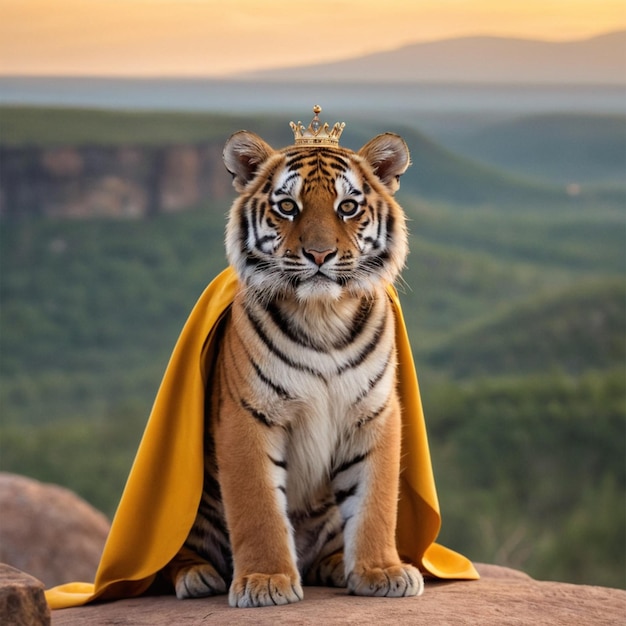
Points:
[(336, 367)]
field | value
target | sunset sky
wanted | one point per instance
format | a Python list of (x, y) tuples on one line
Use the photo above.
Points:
[(218, 37)]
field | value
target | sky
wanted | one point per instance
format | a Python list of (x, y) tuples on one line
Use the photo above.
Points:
[(221, 37)]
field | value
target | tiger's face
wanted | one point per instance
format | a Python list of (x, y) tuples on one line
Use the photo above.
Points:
[(316, 222)]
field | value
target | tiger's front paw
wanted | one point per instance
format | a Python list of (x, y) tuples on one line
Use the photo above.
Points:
[(264, 590), (198, 581), (394, 582)]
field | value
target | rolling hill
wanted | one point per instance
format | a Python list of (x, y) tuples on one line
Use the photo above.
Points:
[(553, 147), (571, 330)]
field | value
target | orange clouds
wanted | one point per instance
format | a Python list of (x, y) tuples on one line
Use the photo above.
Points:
[(215, 37)]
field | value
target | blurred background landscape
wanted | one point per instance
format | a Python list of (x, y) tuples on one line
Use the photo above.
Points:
[(113, 201)]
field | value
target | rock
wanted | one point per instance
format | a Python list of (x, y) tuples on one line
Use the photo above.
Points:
[(22, 602), (502, 597), (48, 531)]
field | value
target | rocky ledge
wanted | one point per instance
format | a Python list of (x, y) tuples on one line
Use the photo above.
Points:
[(502, 596), (56, 537)]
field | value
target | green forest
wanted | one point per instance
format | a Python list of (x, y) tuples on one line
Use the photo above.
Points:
[(514, 298)]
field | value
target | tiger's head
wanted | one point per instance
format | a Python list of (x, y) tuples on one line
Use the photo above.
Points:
[(315, 222)]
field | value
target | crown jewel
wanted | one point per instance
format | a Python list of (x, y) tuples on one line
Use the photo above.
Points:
[(317, 134)]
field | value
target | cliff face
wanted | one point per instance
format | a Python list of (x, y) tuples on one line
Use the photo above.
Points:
[(120, 181)]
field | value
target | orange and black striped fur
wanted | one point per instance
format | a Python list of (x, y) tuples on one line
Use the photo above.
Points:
[(302, 450)]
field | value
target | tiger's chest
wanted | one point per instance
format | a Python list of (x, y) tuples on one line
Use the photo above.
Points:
[(319, 375)]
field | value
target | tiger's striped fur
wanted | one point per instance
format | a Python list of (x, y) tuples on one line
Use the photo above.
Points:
[(302, 443)]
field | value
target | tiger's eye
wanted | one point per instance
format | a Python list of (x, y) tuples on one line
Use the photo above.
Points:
[(348, 208), (288, 207)]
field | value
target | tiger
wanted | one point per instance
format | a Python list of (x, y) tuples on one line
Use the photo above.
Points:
[(302, 426)]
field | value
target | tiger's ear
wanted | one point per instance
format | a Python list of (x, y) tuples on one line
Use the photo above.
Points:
[(243, 153), (389, 157)]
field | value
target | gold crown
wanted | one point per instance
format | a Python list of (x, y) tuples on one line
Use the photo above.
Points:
[(317, 134)]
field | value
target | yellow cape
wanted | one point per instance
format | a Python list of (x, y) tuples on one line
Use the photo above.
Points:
[(163, 490)]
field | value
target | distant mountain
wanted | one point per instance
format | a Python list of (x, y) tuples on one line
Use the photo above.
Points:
[(600, 60)]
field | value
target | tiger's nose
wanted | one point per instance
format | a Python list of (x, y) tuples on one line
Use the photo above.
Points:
[(319, 257)]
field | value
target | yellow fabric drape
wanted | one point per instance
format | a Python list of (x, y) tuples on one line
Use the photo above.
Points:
[(163, 490)]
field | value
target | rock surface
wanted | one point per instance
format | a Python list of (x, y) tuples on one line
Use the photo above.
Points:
[(48, 531), (54, 535), (22, 602), (502, 597)]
